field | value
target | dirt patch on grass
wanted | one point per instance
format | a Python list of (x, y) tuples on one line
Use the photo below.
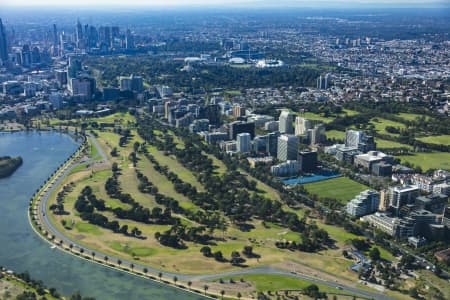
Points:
[(79, 237)]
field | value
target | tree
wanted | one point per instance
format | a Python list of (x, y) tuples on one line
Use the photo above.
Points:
[(239, 295), (205, 287), (145, 270), (218, 256), (114, 152), (248, 251), (206, 251), (374, 254), (160, 275), (175, 279), (222, 292), (119, 262), (189, 284), (136, 146)]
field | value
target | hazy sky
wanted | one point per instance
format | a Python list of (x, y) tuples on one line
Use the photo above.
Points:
[(256, 3)]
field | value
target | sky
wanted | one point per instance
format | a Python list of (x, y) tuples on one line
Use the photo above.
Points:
[(224, 3)]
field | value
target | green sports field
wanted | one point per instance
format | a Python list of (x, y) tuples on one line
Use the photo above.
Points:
[(342, 189)]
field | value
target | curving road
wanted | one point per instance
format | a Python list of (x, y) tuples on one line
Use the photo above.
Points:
[(59, 236)]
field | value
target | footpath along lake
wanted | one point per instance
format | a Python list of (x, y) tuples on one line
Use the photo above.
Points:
[(22, 250)]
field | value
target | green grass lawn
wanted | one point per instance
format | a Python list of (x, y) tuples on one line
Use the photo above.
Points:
[(433, 160), (338, 233), (79, 168), (437, 139), (343, 189), (385, 144), (123, 118), (335, 134), (316, 117), (93, 150), (87, 228), (381, 124), (409, 117), (350, 112), (134, 251), (266, 282)]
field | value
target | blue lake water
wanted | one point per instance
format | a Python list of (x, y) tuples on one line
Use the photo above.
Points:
[(22, 250)]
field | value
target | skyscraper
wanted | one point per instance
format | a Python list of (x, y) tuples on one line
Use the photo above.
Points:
[(287, 147), (317, 134), (3, 43), (360, 140), (79, 33), (243, 142), (286, 120), (129, 40), (55, 36), (302, 125)]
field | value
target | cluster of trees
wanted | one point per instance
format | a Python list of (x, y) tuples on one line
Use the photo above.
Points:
[(89, 206), (306, 245), (125, 136), (176, 235), (202, 77), (137, 212), (58, 208), (313, 292), (235, 259), (232, 193), (9, 165)]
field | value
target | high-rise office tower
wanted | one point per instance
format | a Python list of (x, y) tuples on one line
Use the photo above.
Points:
[(213, 114), (3, 43), (243, 142), (302, 125), (317, 134), (272, 143), (360, 140), (129, 40), (55, 36), (26, 56), (287, 147), (286, 120), (79, 34)]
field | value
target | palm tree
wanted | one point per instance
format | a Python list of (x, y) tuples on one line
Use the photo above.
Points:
[(189, 284), (222, 292), (93, 255), (205, 287)]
